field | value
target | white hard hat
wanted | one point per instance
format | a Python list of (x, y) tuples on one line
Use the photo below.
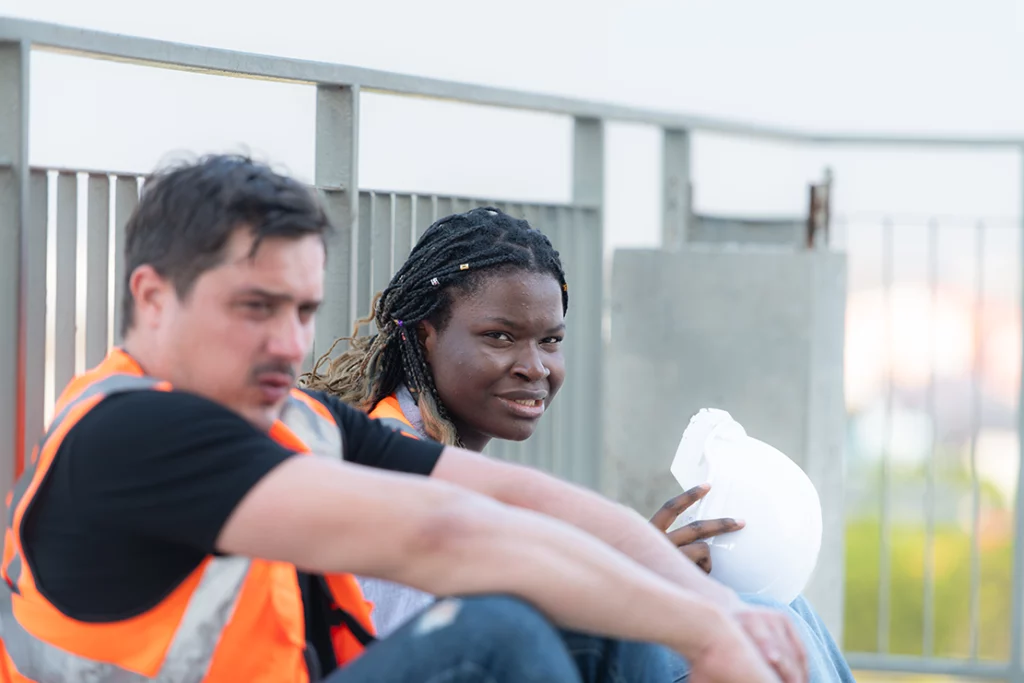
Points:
[(775, 554)]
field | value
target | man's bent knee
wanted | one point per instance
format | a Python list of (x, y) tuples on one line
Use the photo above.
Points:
[(498, 618), (503, 633)]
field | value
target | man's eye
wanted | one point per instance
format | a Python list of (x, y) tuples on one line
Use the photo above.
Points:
[(257, 306), (552, 340), (500, 336)]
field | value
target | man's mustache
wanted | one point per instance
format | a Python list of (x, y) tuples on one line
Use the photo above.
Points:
[(276, 368)]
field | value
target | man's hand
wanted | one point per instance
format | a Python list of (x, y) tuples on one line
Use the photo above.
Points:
[(776, 638), (729, 655), (771, 631), (690, 538)]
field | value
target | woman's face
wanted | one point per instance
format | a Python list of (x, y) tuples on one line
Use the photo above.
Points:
[(498, 361)]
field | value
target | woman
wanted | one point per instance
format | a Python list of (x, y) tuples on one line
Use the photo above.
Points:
[(468, 349)]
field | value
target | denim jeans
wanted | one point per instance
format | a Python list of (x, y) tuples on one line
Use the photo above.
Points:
[(497, 639), (825, 661)]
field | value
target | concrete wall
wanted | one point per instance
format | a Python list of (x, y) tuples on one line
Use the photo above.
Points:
[(790, 232), (757, 331)]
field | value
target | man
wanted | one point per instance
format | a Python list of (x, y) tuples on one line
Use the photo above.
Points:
[(190, 516)]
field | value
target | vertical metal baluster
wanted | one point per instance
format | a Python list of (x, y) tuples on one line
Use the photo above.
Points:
[(382, 227), (444, 207), (66, 272), (404, 228), (97, 270), (885, 540), (50, 388), (34, 271), (422, 216), (928, 616), (976, 408), (126, 198), (364, 257), (1017, 573)]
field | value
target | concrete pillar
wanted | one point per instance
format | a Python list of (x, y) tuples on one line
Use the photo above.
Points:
[(757, 331)]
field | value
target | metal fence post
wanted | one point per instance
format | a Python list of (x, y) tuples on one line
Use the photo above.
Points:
[(588, 162), (676, 198), (14, 186), (337, 177), (1017, 606), (587, 292)]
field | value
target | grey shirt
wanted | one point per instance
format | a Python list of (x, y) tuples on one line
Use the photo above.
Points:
[(395, 603)]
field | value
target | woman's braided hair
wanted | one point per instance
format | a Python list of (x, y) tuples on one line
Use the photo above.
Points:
[(456, 252)]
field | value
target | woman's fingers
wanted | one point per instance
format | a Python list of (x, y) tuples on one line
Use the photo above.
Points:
[(700, 554), (674, 507), (703, 529)]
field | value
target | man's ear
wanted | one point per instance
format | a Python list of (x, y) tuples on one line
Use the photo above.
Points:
[(427, 334), (151, 292)]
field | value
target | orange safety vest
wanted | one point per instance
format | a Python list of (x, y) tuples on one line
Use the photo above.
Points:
[(389, 413), (232, 619)]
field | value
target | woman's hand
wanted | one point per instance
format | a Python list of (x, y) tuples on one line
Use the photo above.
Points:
[(689, 538)]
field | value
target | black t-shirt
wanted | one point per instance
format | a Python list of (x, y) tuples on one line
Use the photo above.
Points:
[(141, 486)]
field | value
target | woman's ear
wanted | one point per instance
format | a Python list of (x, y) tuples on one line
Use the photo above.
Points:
[(427, 335)]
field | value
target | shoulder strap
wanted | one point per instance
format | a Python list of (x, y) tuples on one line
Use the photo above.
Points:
[(389, 413)]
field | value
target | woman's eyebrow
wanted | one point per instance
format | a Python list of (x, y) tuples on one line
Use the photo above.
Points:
[(498, 320)]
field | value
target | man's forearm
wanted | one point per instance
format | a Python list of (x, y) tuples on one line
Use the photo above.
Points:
[(478, 546), (610, 522), (446, 540)]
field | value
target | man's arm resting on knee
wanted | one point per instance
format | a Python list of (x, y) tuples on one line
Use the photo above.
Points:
[(623, 529), (327, 516)]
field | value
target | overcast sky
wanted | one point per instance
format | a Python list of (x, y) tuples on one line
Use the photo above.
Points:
[(894, 65)]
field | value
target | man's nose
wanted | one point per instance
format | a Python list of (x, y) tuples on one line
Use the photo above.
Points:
[(290, 339)]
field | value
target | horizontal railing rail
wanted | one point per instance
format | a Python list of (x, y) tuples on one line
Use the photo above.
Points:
[(217, 61)]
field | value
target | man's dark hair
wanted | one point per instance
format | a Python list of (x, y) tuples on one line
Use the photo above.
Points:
[(188, 211), (455, 254)]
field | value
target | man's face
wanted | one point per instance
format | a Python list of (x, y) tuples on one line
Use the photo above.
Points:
[(241, 334)]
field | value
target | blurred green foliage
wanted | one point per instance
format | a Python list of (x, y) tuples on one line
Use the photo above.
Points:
[(951, 554), (952, 593)]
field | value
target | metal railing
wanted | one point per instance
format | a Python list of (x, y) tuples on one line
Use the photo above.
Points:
[(39, 282), (934, 312)]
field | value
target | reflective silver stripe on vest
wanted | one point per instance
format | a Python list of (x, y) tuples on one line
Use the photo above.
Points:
[(208, 612), (397, 425), (14, 571), (322, 436), (187, 660), (108, 385)]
